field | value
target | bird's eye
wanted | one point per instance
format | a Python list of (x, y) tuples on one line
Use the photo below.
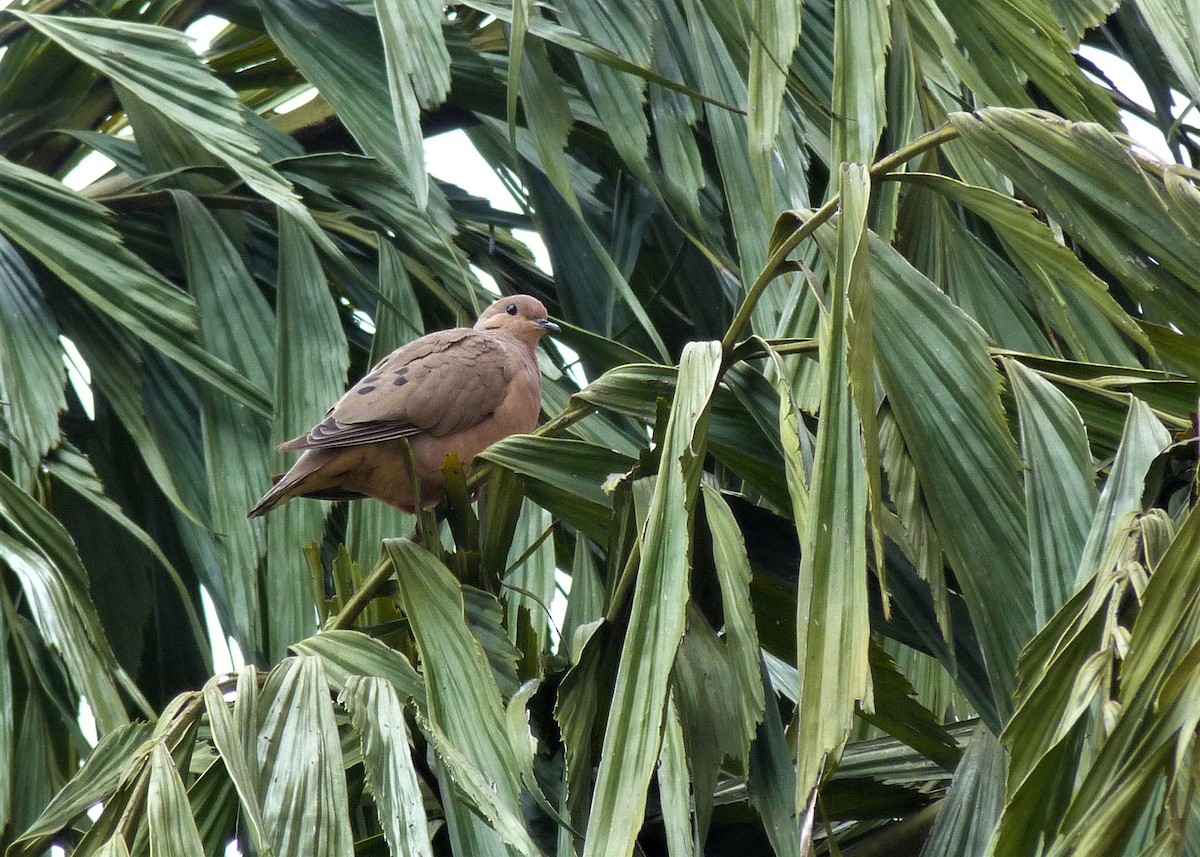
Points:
[(512, 309)]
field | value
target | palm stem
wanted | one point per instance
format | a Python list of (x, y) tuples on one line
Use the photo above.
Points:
[(363, 596), (775, 263)]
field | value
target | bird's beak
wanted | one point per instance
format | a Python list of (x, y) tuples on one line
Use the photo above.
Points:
[(548, 326)]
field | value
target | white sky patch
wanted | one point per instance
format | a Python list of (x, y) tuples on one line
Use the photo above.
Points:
[(91, 166), (87, 725), (87, 722), (364, 321), (451, 157), (541, 256), (1120, 73), (486, 280), (80, 376), (203, 30), (227, 658), (296, 101), (558, 605), (1148, 139)]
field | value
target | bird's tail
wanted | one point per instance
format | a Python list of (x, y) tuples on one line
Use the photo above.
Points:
[(311, 476), (277, 495), (295, 483)]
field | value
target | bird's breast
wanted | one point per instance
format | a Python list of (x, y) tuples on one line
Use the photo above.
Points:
[(516, 413)]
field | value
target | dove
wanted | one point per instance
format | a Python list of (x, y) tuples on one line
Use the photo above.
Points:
[(457, 390)]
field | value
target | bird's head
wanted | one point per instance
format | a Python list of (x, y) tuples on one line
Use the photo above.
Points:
[(520, 315)]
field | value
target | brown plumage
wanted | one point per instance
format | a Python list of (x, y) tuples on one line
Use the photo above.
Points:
[(458, 390)]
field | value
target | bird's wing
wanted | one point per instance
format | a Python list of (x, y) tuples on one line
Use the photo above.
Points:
[(442, 383)]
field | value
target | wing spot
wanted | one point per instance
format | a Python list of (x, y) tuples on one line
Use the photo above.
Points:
[(400, 381), (362, 391)]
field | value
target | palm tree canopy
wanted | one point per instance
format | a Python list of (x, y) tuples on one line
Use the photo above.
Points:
[(863, 511)]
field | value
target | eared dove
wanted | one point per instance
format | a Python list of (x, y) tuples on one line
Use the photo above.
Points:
[(457, 390)]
